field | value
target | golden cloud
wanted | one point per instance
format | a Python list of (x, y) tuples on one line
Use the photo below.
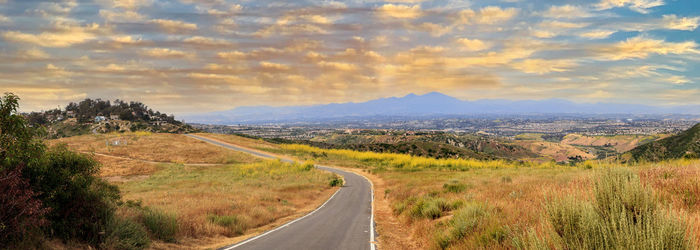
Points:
[(640, 47), (473, 44), (399, 11), (683, 23), (596, 34), (640, 6), (541, 66), (165, 53), (486, 15), (63, 37), (566, 12), (174, 25)]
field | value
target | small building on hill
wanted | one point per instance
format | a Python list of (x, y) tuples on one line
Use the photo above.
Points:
[(100, 118), (114, 117)]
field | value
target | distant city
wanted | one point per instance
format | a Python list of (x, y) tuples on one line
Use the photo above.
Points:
[(497, 125)]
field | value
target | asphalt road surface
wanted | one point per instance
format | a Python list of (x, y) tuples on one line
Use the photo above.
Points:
[(345, 221)]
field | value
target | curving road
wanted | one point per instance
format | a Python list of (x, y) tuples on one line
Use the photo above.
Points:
[(345, 221)]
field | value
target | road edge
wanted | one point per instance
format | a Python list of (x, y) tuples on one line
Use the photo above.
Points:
[(372, 240)]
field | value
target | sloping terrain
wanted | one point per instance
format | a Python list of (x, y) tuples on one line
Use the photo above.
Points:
[(433, 144), (685, 144), (620, 143)]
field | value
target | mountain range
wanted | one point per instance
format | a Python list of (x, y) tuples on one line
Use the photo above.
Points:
[(433, 103)]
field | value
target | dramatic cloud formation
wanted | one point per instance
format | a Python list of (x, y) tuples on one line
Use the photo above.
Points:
[(185, 56)]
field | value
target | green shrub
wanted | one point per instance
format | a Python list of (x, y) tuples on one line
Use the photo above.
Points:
[(506, 179), (336, 181), (454, 187), (162, 226), (430, 207), (623, 215), (235, 224), (126, 234), (468, 220)]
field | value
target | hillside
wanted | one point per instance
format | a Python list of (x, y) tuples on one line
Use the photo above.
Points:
[(429, 144), (619, 143), (99, 116), (685, 144)]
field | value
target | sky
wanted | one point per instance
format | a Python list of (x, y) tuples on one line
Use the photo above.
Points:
[(195, 56)]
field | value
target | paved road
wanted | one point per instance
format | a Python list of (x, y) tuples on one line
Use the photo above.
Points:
[(345, 221)]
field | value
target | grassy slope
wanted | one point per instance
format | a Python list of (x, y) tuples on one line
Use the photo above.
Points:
[(237, 194), (507, 202), (684, 144)]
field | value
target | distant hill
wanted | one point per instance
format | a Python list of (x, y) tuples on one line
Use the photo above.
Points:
[(428, 144), (433, 103), (100, 116), (684, 144)]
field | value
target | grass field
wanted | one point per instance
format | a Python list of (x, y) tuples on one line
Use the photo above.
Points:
[(207, 204), (504, 205), (157, 147), (427, 203)]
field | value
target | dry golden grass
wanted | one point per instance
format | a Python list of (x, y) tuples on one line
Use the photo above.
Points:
[(160, 171), (242, 141), (556, 151), (514, 198), (256, 194), (157, 147)]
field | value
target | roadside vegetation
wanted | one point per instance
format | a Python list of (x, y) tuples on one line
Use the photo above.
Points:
[(467, 204), (158, 191)]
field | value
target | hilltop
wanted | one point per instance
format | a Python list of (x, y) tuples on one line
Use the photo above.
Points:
[(685, 144), (104, 116)]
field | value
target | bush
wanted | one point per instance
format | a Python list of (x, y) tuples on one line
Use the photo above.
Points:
[(161, 225), (80, 203), (624, 215), (126, 234), (430, 207), (468, 220), (21, 213), (57, 186), (232, 222), (454, 186), (336, 181)]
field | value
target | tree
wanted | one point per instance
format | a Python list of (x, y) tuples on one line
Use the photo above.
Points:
[(21, 211), (54, 190)]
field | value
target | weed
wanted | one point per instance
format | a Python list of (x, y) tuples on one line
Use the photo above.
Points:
[(454, 186), (161, 225), (624, 214), (125, 234), (232, 222)]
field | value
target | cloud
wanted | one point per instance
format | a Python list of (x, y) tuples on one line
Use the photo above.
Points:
[(486, 15), (174, 26), (4, 19), (399, 11), (679, 80), (472, 44), (206, 41), (549, 29), (683, 23), (274, 66), (640, 6), (566, 12), (120, 16), (640, 47), (337, 66), (33, 54), (165, 53), (63, 37), (596, 34), (541, 66)]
